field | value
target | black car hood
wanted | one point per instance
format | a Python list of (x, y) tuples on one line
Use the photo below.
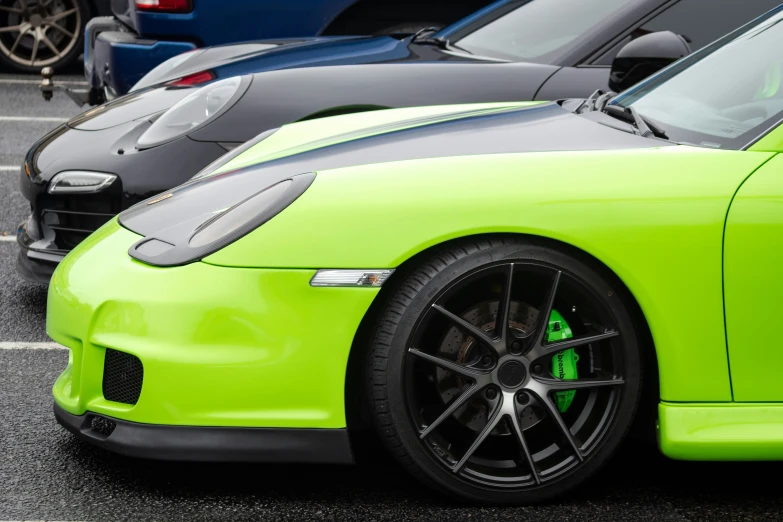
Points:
[(153, 95), (466, 131), (224, 61)]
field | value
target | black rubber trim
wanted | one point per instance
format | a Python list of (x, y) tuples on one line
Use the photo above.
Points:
[(212, 444), (32, 270)]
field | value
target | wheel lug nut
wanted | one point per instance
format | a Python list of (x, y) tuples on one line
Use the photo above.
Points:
[(516, 348), (537, 369), (486, 360), (492, 393), (522, 398)]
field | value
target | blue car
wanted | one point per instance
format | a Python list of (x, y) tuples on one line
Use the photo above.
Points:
[(121, 49)]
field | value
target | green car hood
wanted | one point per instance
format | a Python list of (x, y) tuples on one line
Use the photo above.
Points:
[(373, 138)]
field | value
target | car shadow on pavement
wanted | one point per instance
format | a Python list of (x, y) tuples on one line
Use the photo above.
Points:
[(638, 480)]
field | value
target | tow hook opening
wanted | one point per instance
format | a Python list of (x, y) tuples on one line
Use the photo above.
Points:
[(101, 427)]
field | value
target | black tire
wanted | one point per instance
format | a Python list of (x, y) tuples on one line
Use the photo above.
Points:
[(409, 28), (394, 384), (65, 34)]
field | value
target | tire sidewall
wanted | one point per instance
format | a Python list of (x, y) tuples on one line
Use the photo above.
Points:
[(434, 471)]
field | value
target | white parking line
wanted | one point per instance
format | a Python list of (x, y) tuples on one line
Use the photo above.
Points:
[(8, 238), (31, 346), (4, 168), (33, 118), (38, 82)]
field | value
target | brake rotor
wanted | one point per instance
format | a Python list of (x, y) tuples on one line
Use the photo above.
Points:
[(463, 349)]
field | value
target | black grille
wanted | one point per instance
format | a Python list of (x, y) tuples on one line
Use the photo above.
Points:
[(71, 227), (102, 425), (73, 217), (122, 377)]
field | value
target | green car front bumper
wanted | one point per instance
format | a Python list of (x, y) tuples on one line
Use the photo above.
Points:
[(219, 347)]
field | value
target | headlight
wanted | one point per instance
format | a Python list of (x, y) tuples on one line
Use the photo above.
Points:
[(194, 111), (192, 232), (80, 182), (228, 222), (161, 72)]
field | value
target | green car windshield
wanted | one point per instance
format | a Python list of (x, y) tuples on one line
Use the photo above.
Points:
[(724, 96)]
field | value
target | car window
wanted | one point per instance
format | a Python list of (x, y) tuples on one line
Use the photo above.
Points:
[(722, 97), (700, 21), (541, 31)]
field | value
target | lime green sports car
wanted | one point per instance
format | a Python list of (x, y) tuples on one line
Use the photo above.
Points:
[(502, 290)]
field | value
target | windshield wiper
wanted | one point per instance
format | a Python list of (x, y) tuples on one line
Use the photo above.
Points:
[(599, 101), (596, 102), (418, 35), (644, 127), (440, 42)]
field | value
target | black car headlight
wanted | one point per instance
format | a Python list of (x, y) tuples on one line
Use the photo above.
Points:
[(194, 111), (194, 220), (80, 182)]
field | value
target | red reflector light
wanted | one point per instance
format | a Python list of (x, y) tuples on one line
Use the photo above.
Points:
[(195, 78), (165, 6)]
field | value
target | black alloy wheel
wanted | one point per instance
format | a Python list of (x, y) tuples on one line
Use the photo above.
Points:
[(464, 374), (41, 33)]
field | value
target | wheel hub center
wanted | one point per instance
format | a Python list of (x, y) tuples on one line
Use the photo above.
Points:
[(511, 374), (36, 20)]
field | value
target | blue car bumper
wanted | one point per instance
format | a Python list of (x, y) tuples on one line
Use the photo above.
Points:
[(115, 58)]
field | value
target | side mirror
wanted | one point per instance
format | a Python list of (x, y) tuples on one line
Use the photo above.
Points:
[(644, 56)]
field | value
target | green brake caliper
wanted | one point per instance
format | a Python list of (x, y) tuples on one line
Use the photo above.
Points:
[(563, 362)]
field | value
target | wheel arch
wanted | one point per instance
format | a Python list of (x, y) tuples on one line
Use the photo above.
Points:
[(100, 7), (356, 408)]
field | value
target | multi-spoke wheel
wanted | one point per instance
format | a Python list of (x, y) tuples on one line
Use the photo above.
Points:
[(40, 33), (504, 371)]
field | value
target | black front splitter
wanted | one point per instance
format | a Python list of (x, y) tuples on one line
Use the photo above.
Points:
[(32, 270), (209, 444)]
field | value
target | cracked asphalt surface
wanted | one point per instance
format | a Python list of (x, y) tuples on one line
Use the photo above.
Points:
[(45, 473)]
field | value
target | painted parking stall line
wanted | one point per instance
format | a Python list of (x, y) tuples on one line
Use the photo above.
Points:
[(20, 81), (31, 346), (9, 168), (8, 238), (33, 119)]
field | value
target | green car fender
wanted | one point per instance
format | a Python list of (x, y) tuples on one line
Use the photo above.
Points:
[(654, 217), (270, 351)]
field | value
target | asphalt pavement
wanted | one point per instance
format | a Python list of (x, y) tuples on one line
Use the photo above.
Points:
[(46, 474)]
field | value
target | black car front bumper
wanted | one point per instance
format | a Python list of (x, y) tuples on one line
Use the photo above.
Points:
[(59, 222), (209, 444), (33, 263)]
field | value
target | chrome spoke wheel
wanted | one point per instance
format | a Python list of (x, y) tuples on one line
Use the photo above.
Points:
[(41, 33)]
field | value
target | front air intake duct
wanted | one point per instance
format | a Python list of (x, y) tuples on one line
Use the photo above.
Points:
[(123, 375)]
